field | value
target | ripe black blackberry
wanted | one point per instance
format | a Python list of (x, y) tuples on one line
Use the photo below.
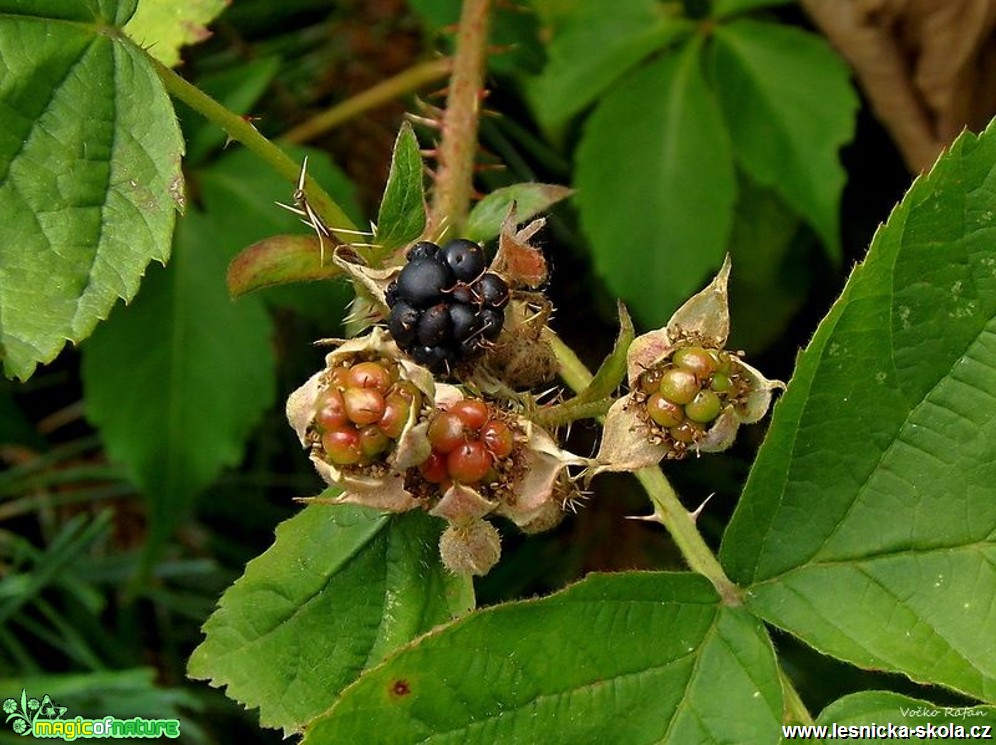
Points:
[(445, 305)]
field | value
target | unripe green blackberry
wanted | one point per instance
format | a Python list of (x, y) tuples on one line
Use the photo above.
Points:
[(683, 395), (679, 385)]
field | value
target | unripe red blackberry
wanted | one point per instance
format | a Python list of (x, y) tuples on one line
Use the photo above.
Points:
[(472, 439), (497, 438), (469, 462)]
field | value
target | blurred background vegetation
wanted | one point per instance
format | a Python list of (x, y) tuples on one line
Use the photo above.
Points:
[(144, 469)]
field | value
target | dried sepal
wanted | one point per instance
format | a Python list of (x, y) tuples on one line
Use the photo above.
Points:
[(517, 261), (369, 281), (521, 358), (627, 444), (535, 493), (704, 317), (461, 505)]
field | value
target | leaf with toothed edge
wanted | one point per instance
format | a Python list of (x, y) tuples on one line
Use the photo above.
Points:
[(89, 174), (163, 26), (868, 524), (340, 588), (880, 708), (630, 658), (485, 220)]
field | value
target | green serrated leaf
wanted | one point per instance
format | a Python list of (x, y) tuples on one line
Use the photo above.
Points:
[(789, 108), (624, 658), (868, 524), (89, 178), (597, 42), (656, 191), (402, 210), (726, 8), (339, 589), (874, 711), (163, 26), (176, 381), (485, 219), (102, 11)]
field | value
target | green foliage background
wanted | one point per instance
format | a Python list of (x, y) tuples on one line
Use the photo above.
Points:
[(144, 469)]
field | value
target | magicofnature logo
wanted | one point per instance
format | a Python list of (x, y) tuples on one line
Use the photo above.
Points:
[(44, 719)]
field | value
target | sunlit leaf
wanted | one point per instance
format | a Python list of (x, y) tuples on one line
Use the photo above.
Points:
[(485, 219), (402, 211), (89, 175), (878, 716), (163, 26)]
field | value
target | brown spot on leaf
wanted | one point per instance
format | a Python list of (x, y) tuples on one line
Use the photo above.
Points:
[(400, 688)]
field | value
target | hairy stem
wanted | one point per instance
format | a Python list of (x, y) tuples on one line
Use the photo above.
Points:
[(571, 411), (668, 510), (405, 82), (242, 131), (454, 178)]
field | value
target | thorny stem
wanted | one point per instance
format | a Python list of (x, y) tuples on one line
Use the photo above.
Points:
[(458, 145), (387, 90), (667, 508), (241, 130)]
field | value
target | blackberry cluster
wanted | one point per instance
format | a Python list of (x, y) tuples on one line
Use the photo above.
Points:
[(445, 306)]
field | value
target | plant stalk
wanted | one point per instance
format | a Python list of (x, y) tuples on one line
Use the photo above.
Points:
[(458, 144), (668, 510), (387, 90), (571, 411), (243, 131)]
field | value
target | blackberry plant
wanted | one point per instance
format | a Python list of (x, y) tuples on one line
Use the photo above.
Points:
[(440, 423)]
